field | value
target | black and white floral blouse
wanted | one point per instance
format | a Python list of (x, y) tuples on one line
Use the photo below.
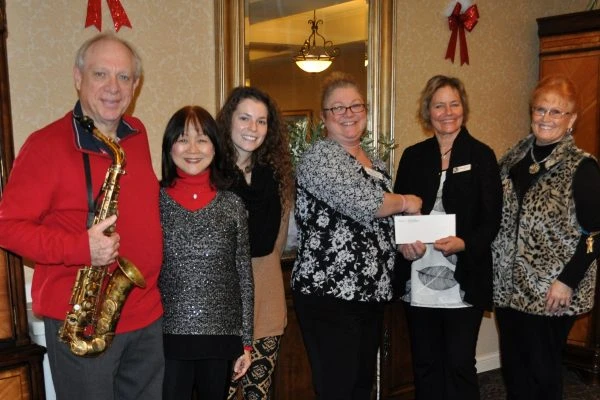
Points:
[(343, 250)]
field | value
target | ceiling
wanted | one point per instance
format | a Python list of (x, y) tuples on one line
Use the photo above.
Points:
[(279, 27), (263, 10)]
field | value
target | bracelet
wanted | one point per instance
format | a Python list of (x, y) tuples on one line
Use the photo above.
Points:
[(248, 348), (403, 203)]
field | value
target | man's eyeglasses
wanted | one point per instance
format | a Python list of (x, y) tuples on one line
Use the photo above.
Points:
[(339, 110), (553, 113)]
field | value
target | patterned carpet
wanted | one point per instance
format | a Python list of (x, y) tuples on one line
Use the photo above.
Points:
[(492, 388)]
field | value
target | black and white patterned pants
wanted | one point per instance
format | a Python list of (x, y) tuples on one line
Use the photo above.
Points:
[(256, 384)]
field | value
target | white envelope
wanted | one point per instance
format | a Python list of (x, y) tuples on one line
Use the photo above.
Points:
[(424, 228)]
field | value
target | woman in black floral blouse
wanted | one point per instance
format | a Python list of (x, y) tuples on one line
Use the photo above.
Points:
[(346, 253)]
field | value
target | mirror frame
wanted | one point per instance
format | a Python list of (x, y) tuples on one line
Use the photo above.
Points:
[(230, 61)]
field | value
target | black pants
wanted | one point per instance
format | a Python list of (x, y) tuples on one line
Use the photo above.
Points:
[(443, 344), (531, 352), (210, 378), (341, 339)]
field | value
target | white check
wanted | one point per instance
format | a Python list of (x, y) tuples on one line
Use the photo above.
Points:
[(424, 228)]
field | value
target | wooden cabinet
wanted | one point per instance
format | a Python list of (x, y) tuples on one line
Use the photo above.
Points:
[(570, 45), (21, 373), (293, 379), (396, 374)]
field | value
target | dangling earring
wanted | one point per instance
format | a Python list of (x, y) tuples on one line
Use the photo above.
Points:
[(569, 130)]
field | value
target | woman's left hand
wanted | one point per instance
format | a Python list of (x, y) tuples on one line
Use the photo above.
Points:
[(412, 251), (241, 365), (449, 245), (558, 298)]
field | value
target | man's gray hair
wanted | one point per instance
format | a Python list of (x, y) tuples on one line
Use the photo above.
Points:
[(82, 52)]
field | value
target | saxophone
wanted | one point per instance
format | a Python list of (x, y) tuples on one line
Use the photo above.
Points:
[(98, 295)]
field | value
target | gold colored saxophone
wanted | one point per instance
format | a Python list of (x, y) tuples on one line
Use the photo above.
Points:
[(98, 295)]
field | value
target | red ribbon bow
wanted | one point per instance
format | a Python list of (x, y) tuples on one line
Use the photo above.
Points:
[(458, 23), (94, 14)]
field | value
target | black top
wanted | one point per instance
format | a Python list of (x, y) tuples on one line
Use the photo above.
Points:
[(262, 201), (473, 192), (586, 192), (194, 347)]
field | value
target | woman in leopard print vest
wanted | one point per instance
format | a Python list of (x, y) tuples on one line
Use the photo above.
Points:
[(544, 254)]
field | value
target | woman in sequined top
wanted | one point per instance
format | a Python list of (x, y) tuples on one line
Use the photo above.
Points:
[(206, 277), (342, 272)]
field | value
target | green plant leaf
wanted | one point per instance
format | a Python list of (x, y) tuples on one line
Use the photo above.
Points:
[(302, 134)]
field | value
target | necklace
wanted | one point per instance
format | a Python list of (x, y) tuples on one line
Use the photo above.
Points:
[(535, 167), (351, 151), (445, 155), (248, 168)]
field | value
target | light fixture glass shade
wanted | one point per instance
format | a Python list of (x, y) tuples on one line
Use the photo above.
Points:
[(314, 66), (313, 57)]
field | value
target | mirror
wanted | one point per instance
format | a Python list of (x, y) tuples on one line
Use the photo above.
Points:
[(232, 67), (275, 38)]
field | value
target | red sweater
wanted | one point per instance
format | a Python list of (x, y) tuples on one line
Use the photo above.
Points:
[(43, 215), (192, 192)]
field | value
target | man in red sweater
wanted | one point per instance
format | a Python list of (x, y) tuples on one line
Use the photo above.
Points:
[(44, 214)]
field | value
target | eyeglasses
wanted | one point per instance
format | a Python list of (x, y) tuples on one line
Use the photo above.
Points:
[(553, 113), (339, 110)]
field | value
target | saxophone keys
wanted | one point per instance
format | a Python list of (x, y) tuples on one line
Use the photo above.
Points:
[(109, 307), (98, 345), (79, 347)]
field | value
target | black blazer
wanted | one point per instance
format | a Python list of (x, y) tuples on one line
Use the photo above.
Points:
[(474, 195)]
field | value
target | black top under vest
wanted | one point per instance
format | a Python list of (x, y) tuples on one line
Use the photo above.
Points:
[(262, 201)]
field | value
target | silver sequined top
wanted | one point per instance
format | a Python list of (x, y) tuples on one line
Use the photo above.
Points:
[(206, 278)]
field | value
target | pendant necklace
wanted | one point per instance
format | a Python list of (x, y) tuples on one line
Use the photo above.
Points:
[(246, 169), (445, 155), (535, 167)]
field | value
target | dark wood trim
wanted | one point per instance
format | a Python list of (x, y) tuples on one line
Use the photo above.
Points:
[(30, 357), (16, 287), (586, 361), (584, 21), (20, 359), (547, 53), (6, 143)]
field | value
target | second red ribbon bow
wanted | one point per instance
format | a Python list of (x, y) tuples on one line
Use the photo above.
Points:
[(458, 23)]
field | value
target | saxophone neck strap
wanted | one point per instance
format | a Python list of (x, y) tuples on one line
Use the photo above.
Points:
[(88, 181)]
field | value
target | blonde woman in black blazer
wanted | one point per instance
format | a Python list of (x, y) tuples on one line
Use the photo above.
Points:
[(447, 285)]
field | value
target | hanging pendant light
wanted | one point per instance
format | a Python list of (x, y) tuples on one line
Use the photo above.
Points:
[(312, 57)]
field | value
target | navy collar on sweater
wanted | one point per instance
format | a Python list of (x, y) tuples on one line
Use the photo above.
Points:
[(84, 140)]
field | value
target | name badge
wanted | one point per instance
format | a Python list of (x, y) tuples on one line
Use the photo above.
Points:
[(374, 174), (462, 168)]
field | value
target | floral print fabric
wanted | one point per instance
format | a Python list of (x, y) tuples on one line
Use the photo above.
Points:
[(343, 250)]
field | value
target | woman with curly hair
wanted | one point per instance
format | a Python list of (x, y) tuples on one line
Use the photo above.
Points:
[(257, 159)]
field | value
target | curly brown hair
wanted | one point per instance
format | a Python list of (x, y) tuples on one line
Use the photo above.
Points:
[(275, 149)]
